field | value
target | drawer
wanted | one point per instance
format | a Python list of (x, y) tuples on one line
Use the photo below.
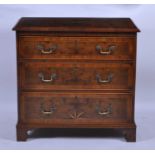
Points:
[(75, 108), (100, 48), (74, 76)]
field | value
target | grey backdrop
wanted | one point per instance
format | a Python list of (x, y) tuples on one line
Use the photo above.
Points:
[(142, 15)]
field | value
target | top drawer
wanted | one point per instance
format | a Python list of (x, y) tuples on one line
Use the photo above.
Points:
[(97, 48)]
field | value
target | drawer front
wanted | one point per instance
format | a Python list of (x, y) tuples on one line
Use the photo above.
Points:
[(75, 108), (100, 48), (65, 76)]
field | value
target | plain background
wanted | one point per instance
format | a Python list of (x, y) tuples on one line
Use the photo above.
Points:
[(142, 15)]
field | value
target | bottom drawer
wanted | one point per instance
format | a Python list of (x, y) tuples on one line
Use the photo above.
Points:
[(76, 108)]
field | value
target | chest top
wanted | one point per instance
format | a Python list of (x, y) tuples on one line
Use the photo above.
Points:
[(77, 25)]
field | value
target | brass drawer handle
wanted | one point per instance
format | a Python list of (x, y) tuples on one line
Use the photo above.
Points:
[(105, 51), (46, 112), (46, 51), (104, 112), (41, 76), (107, 80)]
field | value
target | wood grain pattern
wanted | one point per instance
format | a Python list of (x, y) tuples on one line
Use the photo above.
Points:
[(76, 108), (76, 76), (76, 73), (77, 47)]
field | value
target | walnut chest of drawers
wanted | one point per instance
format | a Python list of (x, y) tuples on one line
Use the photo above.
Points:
[(76, 73)]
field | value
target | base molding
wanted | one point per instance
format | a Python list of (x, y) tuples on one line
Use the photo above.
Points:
[(127, 130)]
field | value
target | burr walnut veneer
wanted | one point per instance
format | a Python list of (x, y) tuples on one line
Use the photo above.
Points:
[(76, 73)]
